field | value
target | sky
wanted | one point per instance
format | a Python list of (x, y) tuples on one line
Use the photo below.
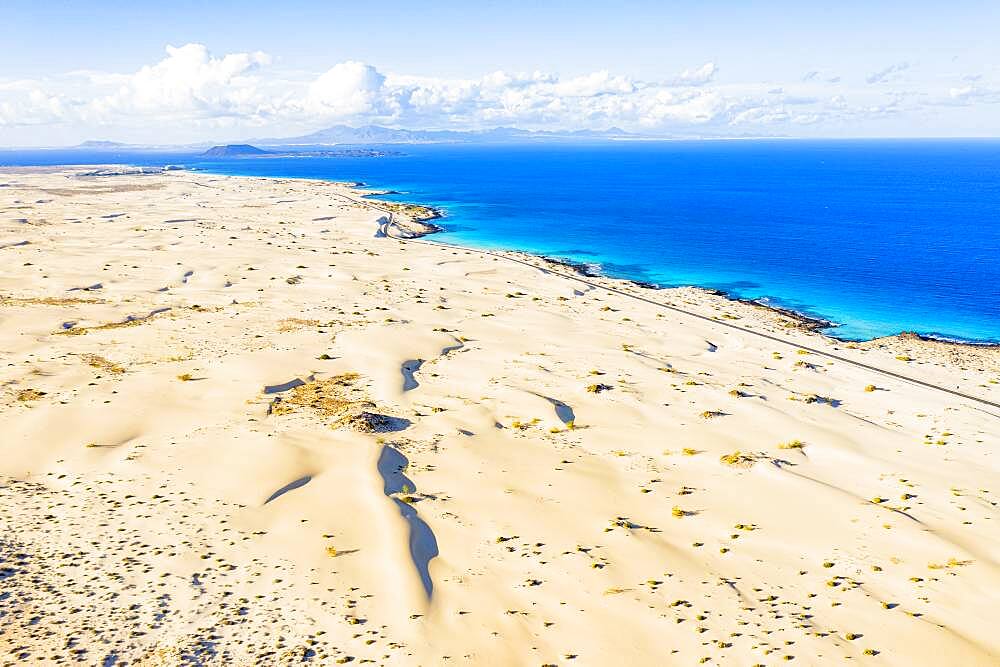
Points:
[(215, 70)]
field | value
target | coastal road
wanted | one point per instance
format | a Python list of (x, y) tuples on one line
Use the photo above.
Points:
[(386, 228)]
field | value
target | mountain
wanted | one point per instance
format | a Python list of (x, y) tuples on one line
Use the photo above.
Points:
[(376, 134), (101, 145), (233, 150)]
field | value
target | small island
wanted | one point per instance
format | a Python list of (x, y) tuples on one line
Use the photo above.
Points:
[(234, 150)]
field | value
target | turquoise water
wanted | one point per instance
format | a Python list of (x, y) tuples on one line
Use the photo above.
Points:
[(876, 236)]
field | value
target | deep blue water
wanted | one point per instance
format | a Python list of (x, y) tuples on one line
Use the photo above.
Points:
[(877, 236)]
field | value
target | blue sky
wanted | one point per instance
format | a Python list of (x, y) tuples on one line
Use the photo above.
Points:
[(76, 70)]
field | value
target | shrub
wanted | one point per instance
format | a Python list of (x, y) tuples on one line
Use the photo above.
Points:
[(26, 395), (736, 458)]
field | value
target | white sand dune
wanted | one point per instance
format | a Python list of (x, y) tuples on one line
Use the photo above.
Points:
[(238, 428)]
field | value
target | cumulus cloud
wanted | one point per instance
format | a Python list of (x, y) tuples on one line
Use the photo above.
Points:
[(188, 81), (199, 92), (346, 89), (696, 77), (884, 75), (816, 75), (31, 107), (973, 94)]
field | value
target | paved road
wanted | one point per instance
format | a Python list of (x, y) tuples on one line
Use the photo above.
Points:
[(387, 230)]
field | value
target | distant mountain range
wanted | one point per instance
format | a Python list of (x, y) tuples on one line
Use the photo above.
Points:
[(367, 135), (376, 134), (101, 145)]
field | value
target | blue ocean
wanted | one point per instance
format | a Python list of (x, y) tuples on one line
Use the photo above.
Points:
[(877, 237)]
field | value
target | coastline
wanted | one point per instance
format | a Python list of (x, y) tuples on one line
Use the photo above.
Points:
[(417, 222), (417, 225), (242, 427)]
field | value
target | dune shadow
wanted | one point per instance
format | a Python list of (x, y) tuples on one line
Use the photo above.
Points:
[(452, 348), (408, 368), (291, 486), (278, 388), (563, 411), (423, 545), (374, 422), (391, 464)]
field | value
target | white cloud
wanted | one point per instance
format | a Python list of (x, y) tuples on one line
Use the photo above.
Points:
[(346, 89), (974, 94), (192, 94), (31, 107), (590, 85), (696, 77), (884, 75), (189, 81)]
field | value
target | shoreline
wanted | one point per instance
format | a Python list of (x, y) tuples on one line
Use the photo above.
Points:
[(419, 217), (808, 322)]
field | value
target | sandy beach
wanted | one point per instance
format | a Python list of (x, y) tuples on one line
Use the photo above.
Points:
[(245, 421)]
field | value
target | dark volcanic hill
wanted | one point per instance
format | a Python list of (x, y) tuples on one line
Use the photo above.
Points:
[(234, 150)]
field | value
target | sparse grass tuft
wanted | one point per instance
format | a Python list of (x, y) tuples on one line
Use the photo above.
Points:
[(952, 562), (102, 363), (736, 458), (26, 395)]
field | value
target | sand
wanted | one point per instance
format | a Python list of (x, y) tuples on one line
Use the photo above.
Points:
[(239, 426)]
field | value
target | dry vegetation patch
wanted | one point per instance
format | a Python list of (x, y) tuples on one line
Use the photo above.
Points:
[(129, 322), (46, 301), (104, 364), (330, 397), (26, 395), (340, 398), (295, 323)]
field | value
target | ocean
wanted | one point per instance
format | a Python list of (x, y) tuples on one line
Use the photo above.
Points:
[(876, 236)]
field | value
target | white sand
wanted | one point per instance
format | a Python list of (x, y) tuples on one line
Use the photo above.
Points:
[(158, 506)]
